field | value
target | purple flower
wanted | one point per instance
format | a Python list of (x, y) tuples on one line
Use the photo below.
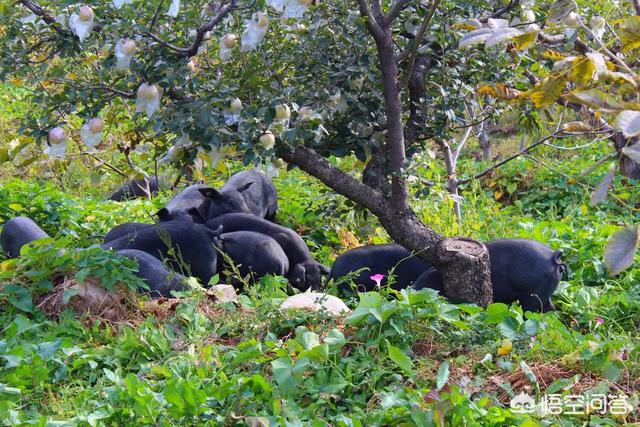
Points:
[(599, 321), (377, 278)]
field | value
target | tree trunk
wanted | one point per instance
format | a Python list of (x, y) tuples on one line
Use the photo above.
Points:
[(395, 147), (483, 140), (417, 95), (407, 230), (376, 172), (465, 260), (628, 167)]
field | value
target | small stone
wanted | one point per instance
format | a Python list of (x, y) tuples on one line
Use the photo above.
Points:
[(223, 293), (316, 301), (91, 298)]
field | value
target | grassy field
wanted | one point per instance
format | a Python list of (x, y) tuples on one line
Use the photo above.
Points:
[(398, 359)]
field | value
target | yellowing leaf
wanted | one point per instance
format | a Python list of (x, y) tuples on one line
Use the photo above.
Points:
[(499, 91), (7, 265), (72, 76), (16, 81), (90, 218), (15, 207), (347, 239), (582, 70), (552, 54), (576, 127), (629, 33), (464, 26), (505, 347), (497, 194), (548, 91), (525, 40)]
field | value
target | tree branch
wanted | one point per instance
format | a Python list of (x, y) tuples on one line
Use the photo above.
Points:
[(46, 17), (180, 50), (372, 24), (508, 159), (314, 164), (395, 10), (501, 11), (416, 43), (200, 32)]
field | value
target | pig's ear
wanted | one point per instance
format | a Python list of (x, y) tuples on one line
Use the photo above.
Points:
[(299, 276), (324, 269), (163, 214), (210, 193), (557, 257), (244, 187)]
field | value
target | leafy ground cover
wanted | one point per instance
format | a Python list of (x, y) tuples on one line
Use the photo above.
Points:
[(404, 359)]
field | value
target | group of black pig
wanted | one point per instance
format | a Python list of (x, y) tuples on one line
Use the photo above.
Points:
[(201, 222)]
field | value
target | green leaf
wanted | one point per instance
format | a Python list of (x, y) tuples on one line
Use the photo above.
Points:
[(629, 33), (596, 99), (613, 370), (496, 312), (284, 375), (509, 328), (400, 358), (621, 250), (443, 374), (68, 294), (335, 338), (4, 389), (528, 372), (525, 40), (46, 350), (560, 9), (19, 297)]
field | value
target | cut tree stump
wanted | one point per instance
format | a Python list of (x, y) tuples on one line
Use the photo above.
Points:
[(466, 274)]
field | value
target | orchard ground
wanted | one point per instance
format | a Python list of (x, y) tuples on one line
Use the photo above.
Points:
[(410, 359)]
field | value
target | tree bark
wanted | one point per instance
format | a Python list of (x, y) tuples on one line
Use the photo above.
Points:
[(417, 95), (376, 172), (483, 140), (467, 260), (628, 167), (395, 128)]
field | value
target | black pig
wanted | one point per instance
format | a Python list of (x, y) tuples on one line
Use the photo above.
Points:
[(255, 253), (188, 247), (247, 192), (17, 232), (379, 259), (160, 281), (304, 271), (521, 270), (191, 205), (136, 188), (126, 229)]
